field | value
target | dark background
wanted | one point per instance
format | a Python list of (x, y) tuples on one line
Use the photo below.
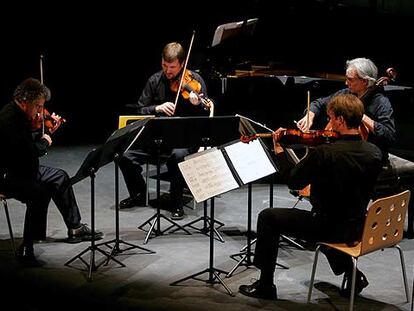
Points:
[(97, 56)]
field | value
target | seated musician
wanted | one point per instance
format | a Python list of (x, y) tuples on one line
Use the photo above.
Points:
[(23, 178), (158, 98), (378, 127), (378, 119), (342, 176)]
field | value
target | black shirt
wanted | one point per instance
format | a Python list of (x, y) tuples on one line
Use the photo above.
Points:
[(19, 157), (342, 175), (378, 108), (157, 91)]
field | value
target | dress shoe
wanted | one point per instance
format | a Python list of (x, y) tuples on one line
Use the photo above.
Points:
[(258, 291), (360, 283), (82, 233), (26, 257), (138, 200), (178, 214)]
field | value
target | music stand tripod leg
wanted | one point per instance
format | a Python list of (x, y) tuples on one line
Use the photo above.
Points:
[(214, 273), (115, 250), (206, 225), (246, 255), (92, 266), (158, 216)]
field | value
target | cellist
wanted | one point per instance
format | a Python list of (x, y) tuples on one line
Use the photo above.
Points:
[(378, 119)]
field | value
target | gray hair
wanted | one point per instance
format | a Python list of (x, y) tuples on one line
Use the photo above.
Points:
[(31, 90), (365, 69)]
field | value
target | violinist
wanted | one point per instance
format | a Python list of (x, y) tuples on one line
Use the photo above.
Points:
[(159, 97), (378, 120), (23, 178), (342, 176)]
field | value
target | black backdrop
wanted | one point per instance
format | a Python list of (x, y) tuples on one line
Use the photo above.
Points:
[(97, 56)]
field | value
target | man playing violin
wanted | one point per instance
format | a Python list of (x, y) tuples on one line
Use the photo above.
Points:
[(23, 178), (342, 176), (159, 97), (361, 78)]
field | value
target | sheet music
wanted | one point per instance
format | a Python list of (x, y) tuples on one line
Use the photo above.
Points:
[(250, 160), (207, 174)]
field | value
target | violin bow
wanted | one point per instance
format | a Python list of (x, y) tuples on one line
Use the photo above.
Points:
[(308, 110), (41, 81), (184, 69)]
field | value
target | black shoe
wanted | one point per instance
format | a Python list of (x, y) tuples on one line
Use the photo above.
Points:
[(83, 233), (257, 291), (26, 257), (360, 283), (178, 214), (138, 200)]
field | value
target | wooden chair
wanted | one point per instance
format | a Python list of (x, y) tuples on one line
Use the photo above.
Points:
[(384, 225), (3, 199)]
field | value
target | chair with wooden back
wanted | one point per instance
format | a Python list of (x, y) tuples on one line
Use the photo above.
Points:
[(383, 228)]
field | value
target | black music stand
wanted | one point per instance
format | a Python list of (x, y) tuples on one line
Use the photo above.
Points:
[(131, 132), (213, 273), (205, 219), (116, 145), (249, 128), (89, 168), (181, 132), (224, 169)]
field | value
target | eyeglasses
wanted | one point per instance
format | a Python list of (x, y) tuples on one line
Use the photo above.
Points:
[(352, 79)]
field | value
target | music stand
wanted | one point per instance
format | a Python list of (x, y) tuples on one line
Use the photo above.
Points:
[(249, 127), (223, 169), (235, 29), (116, 144), (206, 220), (181, 132), (231, 45), (89, 168), (122, 139)]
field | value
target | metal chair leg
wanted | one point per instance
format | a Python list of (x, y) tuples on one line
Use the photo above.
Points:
[(6, 210)]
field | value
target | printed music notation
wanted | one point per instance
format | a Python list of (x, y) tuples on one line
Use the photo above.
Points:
[(250, 160), (209, 173)]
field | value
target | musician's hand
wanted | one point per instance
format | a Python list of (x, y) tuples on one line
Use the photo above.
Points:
[(194, 99), (167, 108), (57, 121), (368, 123), (48, 138), (276, 135), (303, 124)]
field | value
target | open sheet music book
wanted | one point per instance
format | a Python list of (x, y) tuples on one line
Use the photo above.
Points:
[(221, 169)]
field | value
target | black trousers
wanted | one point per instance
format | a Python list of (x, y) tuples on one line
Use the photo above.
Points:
[(295, 223), (51, 184), (131, 163)]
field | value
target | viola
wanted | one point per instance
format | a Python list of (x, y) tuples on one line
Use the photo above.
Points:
[(46, 122), (189, 84), (296, 137)]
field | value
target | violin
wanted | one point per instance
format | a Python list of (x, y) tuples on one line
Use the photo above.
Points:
[(189, 84), (47, 122), (296, 137)]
